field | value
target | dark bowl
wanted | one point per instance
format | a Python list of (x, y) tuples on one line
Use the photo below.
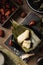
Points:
[(36, 7)]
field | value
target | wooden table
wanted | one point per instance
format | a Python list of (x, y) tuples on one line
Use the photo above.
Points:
[(8, 32)]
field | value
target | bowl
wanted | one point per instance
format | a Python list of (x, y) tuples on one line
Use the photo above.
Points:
[(35, 6)]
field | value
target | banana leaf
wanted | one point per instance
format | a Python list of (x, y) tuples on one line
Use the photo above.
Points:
[(19, 29)]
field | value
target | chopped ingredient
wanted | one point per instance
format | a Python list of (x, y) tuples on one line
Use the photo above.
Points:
[(10, 43), (13, 9), (6, 9), (32, 23), (2, 11), (23, 36), (1, 33), (24, 56), (7, 13), (26, 44), (23, 14)]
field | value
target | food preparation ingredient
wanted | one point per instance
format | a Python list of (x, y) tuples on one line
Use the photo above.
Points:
[(23, 36), (13, 9), (2, 11), (10, 43), (32, 23), (7, 13), (24, 56), (6, 9), (23, 14), (1, 33), (1, 59), (26, 44), (18, 29), (3, 19)]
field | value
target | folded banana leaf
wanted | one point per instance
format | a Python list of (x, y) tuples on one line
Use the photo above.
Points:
[(19, 29), (14, 60)]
